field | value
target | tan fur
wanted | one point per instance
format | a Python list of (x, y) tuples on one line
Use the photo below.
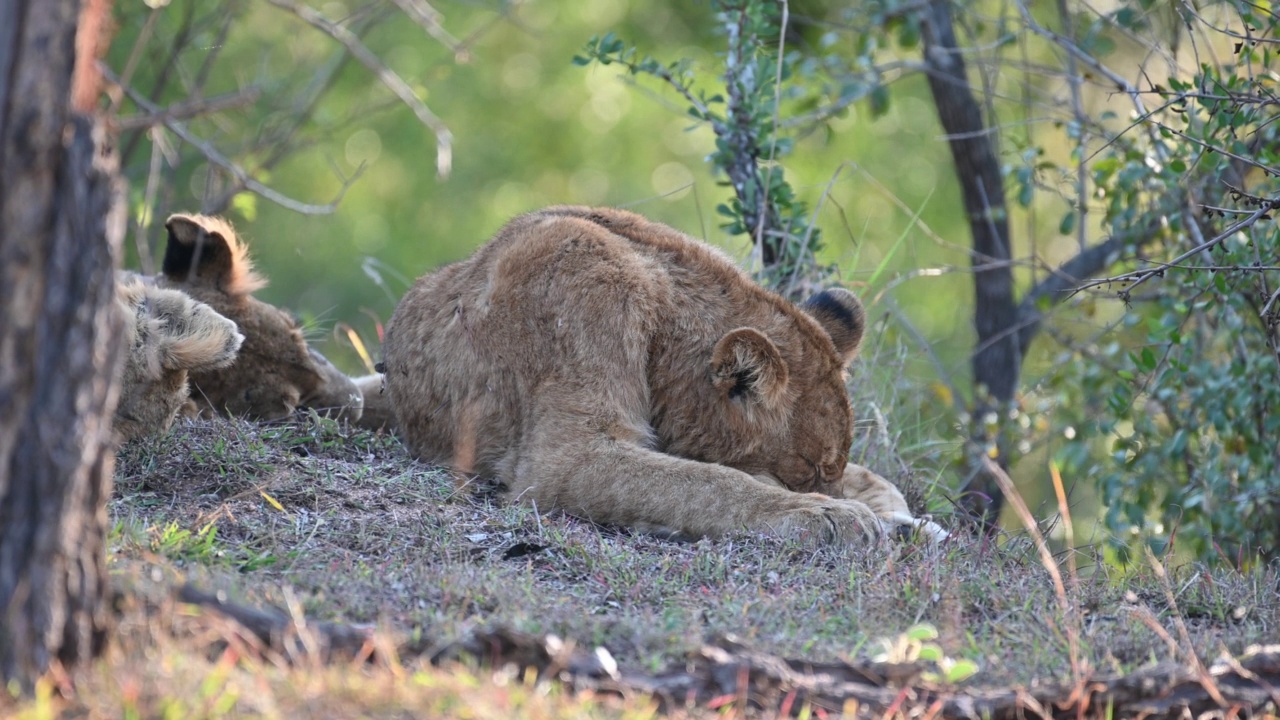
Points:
[(594, 361), (168, 335), (276, 371)]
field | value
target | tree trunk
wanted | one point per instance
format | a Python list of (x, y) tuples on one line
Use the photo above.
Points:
[(997, 360), (59, 350)]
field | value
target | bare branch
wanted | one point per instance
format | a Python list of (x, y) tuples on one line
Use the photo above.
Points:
[(192, 108), (1121, 84), (1082, 138), (1065, 281), (430, 20), (388, 77), (216, 157)]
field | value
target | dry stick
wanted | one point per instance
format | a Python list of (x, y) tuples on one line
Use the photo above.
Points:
[(388, 77), (1077, 108), (1067, 526), (717, 671), (148, 202), (281, 144), (1046, 558), (813, 222), (216, 157), (196, 88), (285, 633), (134, 55)]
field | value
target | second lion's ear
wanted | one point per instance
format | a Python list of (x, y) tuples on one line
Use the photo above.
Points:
[(206, 250), (840, 313), (747, 365)]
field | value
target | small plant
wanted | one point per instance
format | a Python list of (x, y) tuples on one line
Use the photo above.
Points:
[(178, 543), (916, 646)]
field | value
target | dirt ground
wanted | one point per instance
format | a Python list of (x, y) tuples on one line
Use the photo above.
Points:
[(333, 524)]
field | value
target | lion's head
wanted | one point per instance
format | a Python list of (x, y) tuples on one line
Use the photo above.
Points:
[(778, 397), (276, 371)]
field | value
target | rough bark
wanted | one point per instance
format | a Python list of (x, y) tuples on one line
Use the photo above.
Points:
[(59, 227), (997, 360)]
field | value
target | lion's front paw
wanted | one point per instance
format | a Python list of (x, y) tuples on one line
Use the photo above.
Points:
[(842, 522)]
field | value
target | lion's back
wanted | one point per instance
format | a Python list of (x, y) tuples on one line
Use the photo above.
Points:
[(557, 299)]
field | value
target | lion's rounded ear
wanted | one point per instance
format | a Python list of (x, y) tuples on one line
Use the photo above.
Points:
[(746, 364), (840, 313), (206, 249), (195, 251)]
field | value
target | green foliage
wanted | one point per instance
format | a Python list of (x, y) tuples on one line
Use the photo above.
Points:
[(1174, 413)]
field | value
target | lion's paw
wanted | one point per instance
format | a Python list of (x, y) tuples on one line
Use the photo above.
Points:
[(839, 522)]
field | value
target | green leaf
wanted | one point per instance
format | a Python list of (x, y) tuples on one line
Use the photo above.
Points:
[(1068, 223), (961, 670), (879, 101), (923, 631)]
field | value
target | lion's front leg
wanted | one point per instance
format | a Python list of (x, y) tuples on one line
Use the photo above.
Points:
[(621, 483), (884, 499)]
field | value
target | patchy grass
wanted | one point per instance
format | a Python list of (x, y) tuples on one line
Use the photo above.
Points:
[(352, 528), (342, 525)]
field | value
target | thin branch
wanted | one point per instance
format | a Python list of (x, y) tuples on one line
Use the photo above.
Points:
[(430, 20), (388, 77), (281, 143), (1065, 281), (1077, 109), (1137, 277), (1135, 95), (170, 63), (191, 108), (206, 66), (216, 157)]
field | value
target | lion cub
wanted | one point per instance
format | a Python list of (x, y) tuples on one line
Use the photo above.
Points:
[(594, 361)]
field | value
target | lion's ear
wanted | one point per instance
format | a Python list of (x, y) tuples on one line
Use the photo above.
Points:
[(839, 312), (746, 364), (206, 249)]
